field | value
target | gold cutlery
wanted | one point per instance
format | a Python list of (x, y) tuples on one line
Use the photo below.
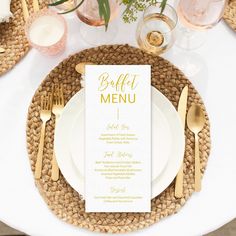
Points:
[(25, 9), (58, 105), (182, 108), (196, 121), (2, 50), (45, 116), (80, 68), (35, 5)]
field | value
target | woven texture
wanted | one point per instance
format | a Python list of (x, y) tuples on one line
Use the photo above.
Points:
[(230, 14), (65, 202), (12, 37)]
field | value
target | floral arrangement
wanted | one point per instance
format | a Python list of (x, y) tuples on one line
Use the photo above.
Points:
[(129, 15)]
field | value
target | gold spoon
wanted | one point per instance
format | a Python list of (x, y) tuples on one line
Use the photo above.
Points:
[(2, 50), (196, 121), (80, 68)]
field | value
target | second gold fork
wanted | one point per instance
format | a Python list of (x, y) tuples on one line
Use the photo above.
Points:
[(45, 116), (58, 105)]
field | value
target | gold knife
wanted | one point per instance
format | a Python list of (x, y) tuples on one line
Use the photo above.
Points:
[(182, 109)]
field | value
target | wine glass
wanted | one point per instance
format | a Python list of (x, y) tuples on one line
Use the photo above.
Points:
[(94, 31), (156, 30), (196, 16)]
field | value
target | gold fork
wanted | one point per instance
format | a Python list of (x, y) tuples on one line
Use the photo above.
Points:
[(58, 105), (35, 5), (25, 9), (45, 116)]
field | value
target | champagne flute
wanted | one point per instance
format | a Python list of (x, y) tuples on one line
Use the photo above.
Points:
[(93, 31), (156, 30)]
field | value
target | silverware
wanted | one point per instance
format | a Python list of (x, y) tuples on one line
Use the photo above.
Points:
[(182, 108), (58, 105), (35, 5), (196, 121), (45, 116), (25, 9), (2, 50), (80, 68)]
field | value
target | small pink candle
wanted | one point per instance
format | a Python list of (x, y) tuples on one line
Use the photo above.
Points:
[(47, 32)]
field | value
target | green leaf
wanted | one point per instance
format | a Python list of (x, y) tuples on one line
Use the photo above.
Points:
[(108, 13), (57, 3), (104, 11), (163, 5), (73, 8)]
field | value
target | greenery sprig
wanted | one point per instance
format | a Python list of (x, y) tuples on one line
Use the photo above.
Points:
[(129, 15), (135, 6)]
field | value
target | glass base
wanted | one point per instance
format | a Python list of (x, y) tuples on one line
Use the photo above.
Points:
[(191, 63), (190, 39), (98, 35)]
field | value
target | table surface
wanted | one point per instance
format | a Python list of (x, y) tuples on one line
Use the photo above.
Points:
[(21, 205)]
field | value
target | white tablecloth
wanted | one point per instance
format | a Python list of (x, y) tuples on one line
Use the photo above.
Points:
[(21, 205)]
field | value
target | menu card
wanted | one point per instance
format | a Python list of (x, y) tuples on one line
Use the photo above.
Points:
[(117, 138)]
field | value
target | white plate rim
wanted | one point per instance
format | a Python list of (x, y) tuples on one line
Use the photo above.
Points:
[(73, 176)]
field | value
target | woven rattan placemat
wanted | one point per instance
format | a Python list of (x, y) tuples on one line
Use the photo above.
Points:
[(66, 203), (230, 14), (12, 37)]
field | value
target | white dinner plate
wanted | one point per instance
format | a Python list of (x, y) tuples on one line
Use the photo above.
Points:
[(167, 142)]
